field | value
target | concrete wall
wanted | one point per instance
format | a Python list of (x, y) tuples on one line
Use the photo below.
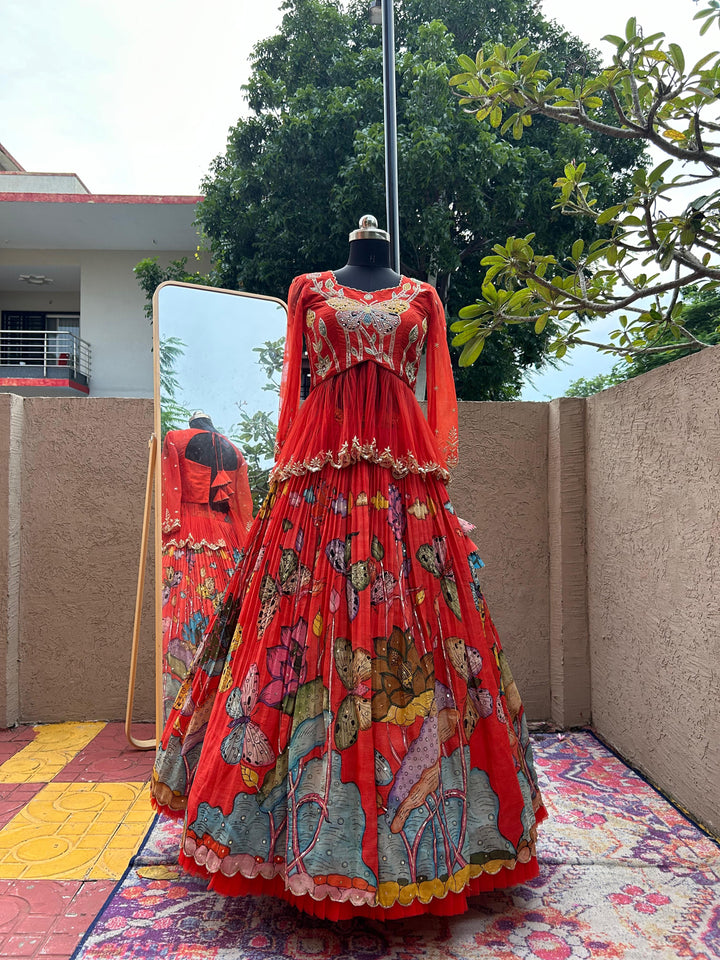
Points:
[(43, 300), (113, 321), (71, 519), (653, 469), (24, 182), (500, 485), (10, 555)]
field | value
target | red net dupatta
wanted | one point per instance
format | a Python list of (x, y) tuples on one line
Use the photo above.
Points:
[(442, 402)]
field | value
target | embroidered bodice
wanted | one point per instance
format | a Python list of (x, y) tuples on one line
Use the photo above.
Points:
[(344, 327), (374, 342)]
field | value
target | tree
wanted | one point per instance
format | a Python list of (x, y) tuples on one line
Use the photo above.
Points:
[(656, 243), (700, 316), (256, 433), (587, 386), (173, 413), (150, 275), (309, 160)]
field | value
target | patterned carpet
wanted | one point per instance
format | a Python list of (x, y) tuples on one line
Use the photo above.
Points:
[(623, 875)]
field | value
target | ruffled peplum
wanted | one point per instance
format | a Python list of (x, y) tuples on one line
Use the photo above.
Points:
[(202, 528), (364, 413)]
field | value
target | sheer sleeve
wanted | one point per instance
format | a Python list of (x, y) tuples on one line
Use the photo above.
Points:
[(242, 504), (442, 403), (171, 484), (292, 364)]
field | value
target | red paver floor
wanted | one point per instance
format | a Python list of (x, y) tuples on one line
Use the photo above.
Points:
[(109, 758), (13, 797), (47, 918)]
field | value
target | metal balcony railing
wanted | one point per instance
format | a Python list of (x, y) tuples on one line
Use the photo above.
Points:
[(46, 349)]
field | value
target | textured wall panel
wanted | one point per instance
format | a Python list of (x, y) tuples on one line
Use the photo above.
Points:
[(83, 486), (10, 491), (569, 650), (653, 468), (501, 486)]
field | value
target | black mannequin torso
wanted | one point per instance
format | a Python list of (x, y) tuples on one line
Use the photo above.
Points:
[(368, 267)]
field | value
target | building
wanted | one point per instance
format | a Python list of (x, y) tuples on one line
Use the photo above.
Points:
[(72, 316)]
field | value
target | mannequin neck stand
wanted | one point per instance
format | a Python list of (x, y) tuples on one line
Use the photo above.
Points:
[(368, 267), (202, 423)]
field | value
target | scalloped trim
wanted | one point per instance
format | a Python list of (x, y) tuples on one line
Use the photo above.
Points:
[(353, 451), (352, 891), (191, 544)]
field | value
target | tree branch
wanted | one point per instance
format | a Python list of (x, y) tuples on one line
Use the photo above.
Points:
[(621, 112), (562, 115), (593, 306), (635, 351)]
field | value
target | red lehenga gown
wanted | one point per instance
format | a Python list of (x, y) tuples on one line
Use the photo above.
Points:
[(351, 739), (206, 513)]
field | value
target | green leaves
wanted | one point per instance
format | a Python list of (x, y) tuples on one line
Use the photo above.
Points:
[(609, 214), (710, 15), (677, 56), (466, 64), (472, 351), (646, 95)]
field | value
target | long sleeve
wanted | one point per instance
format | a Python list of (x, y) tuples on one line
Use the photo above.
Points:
[(442, 402), (241, 506), (171, 484), (292, 364)]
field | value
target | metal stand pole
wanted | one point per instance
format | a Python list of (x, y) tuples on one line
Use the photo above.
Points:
[(142, 744), (390, 102)]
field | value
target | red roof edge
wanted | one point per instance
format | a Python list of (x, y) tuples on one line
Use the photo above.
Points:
[(95, 198)]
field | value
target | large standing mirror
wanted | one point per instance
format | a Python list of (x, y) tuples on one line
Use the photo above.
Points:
[(217, 367)]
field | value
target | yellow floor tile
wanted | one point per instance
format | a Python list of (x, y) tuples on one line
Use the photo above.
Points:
[(52, 749), (111, 865), (76, 831), (160, 873), (100, 830)]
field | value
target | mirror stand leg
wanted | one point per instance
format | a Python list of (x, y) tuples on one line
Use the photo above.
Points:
[(140, 744)]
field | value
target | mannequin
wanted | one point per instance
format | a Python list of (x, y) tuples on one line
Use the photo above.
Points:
[(216, 452), (368, 266)]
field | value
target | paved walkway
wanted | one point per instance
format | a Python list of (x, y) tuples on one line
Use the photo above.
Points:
[(74, 807), (624, 875)]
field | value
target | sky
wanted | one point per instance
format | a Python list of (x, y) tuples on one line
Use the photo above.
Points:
[(138, 97), (208, 369)]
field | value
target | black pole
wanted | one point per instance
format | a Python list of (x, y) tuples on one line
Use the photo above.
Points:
[(390, 102)]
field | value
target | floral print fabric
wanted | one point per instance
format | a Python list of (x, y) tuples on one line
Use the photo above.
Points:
[(193, 582), (206, 513), (350, 737)]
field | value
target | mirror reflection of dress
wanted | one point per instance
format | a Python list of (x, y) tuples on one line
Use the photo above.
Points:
[(352, 740), (206, 513)]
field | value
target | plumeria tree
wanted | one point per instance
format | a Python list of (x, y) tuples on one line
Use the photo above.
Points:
[(664, 234)]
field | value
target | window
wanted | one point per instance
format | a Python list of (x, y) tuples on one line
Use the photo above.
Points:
[(39, 338)]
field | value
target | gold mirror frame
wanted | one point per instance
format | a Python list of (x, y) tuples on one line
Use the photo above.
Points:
[(154, 479)]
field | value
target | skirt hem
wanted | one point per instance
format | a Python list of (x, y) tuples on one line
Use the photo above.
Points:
[(452, 904)]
